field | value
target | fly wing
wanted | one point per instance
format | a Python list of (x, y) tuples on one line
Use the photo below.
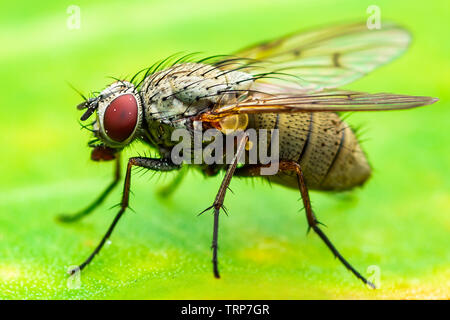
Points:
[(324, 58), (321, 102)]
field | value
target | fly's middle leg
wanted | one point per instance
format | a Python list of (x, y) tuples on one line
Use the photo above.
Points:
[(91, 207), (168, 190), (218, 201)]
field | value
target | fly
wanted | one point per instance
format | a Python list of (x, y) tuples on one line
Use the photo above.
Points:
[(288, 85)]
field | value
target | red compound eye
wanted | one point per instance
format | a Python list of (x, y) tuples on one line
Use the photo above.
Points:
[(121, 117)]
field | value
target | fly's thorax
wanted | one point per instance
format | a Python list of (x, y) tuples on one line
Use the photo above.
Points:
[(119, 115), (160, 134), (186, 89)]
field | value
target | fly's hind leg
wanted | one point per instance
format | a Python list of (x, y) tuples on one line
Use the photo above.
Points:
[(91, 207), (254, 170), (312, 221)]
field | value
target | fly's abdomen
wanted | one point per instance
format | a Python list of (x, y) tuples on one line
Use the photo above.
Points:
[(324, 146)]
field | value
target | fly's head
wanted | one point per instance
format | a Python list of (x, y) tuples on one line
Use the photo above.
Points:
[(119, 115)]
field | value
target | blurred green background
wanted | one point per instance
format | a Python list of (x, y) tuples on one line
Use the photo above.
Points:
[(399, 221)]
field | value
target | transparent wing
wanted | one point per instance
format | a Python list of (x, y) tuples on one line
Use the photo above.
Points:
[(320, 102), (324, 58)]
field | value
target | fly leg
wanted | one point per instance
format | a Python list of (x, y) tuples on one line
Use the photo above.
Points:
[(254, 170), (149, 163), (82, 213), (167, 190), (311, 218), (218, 202)]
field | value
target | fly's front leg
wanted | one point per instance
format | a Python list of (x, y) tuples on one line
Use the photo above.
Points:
[(149, 163), (218, 202), (82, 213)]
